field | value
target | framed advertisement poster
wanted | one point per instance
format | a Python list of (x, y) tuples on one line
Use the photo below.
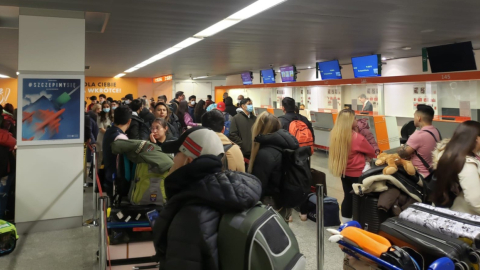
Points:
[(50, 109)]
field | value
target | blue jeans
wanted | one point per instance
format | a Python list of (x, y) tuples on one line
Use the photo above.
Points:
[(5, 186)]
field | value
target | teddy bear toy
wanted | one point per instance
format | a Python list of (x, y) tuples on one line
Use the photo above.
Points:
[(393, 161)]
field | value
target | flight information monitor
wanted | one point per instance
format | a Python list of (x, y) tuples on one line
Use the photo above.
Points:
[(247, 78), (288, 73), (330, 70), (268, 76), (367, 66)]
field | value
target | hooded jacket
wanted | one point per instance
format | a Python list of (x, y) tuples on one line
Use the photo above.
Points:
[(268, 162), (138, 130), (147, 116), (185, 234), (230, 108), (241, 131), (468, 199), (364, 129)]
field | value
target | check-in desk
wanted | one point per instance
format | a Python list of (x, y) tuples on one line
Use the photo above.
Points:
[(447, 124), (383, 128), (258, 110)]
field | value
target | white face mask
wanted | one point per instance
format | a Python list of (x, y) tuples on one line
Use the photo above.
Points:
[(192, 102), (127, 101)]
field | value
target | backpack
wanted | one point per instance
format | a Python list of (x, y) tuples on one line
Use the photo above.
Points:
[(257, 239), (303, 134), (148, 185), (227, 124), (296, 176), (431, 179)]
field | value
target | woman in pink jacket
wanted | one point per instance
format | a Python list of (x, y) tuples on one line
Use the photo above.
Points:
[(184, 117), (348, 150)]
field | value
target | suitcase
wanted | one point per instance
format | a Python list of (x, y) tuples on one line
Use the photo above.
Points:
[(431, 245), (331, 214), (366, 212), (129, 224)]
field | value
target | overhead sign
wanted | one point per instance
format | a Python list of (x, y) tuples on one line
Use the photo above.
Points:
[(163, 78)]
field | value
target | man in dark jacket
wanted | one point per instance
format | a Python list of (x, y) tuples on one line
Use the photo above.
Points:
[(192, 100), (185, 234), (179, 96), (288, 107), (138, 129), (229, 107), (146, 115), (241, 127)]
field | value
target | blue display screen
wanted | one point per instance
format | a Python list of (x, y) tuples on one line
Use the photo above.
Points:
[(268, 76), (330, 70), (247, 78), (366, 66)]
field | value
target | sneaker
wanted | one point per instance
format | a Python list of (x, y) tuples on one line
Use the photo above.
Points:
[(303, 217)]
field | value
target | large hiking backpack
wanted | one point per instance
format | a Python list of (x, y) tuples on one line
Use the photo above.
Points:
[(227, 124), (303, 134), (148, 185), (296, 176), (257, 239)]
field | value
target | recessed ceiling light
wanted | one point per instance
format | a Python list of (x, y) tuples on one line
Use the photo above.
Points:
[(384, 58), (120, 75), (201, 77), (4, 76), (18, 73), (406, 48), (309, 67)]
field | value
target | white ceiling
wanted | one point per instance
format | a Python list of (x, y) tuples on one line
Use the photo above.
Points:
[(298, 32)]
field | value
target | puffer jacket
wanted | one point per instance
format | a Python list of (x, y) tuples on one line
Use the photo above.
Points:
[(364, 129), (185, 234), (468, 200), (268, 162)]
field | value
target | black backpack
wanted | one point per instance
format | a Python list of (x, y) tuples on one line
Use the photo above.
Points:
[(296, 176), (431, 179)]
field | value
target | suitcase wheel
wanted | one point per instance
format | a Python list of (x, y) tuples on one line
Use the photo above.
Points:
[(474, 257), (461, 266)]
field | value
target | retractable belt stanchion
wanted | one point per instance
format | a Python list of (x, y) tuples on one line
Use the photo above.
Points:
[(102, 245), (85, 172), (320, 230), (95, 194)]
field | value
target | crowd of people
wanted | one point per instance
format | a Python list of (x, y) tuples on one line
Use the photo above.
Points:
[(8, 145)]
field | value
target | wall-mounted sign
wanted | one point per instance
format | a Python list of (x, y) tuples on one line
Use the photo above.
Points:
[(163, 78)]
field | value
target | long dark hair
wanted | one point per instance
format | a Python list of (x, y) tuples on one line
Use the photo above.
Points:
[(451, 163), (169, 112), (199, 111), (181, 111), (103, 115)]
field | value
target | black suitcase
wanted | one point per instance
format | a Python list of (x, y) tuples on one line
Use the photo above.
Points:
[(129, 224), (431, 245), (366, 212)]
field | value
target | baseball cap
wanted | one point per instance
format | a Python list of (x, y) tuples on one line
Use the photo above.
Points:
[(195, 142), (221, 106)]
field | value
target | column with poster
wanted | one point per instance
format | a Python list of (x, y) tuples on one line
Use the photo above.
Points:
[(51, 110)]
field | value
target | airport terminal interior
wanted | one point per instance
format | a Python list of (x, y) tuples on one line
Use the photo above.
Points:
[(76, 76)]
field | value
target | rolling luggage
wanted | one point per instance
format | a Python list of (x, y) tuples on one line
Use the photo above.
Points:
[(366, 212), (331, 214), (444, 221), (431, 245)]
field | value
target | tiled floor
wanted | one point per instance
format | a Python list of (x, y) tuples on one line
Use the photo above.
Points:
[(76, 248)]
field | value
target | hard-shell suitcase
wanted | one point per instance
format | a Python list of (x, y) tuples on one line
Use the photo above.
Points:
[(366, 212), (431, 245)]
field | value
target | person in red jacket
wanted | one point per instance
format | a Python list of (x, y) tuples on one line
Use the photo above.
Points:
[(348, 150), (364, 129)]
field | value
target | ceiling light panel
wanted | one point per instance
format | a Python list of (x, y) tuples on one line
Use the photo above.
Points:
[(120, 75), (4, 76), (187, 42), (218, 27), (254, 9), (131, 70)]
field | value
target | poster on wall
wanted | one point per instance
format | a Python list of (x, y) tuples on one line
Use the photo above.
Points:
[(50, 110), (424, 94), (334, 98)]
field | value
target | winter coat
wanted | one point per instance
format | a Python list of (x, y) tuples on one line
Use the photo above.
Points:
[(7, 159), (147, 117), (234, 155), (286, 119), (174, 105), (468, 200), (191, 111), (189, 120), (138, 130), (364, 129), (268, 162), (230, 108), (241, 132), (9, 123), (185, 234), (174, 126)]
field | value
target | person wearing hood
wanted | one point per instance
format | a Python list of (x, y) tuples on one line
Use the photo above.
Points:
[(457, 165), (137, 130), (199, 192), (266, 159), (241, 127), (229, 107)]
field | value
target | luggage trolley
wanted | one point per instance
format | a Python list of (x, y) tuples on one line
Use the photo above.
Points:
[(359, 254)]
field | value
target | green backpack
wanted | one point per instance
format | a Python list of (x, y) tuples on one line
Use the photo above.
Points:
[(258, 239), (148, 185)]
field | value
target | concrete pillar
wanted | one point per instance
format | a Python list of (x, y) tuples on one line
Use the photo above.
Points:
[(49, 178)]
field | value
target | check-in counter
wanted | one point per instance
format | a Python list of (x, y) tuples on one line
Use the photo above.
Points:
[(322, 122), (258, 110), (447, 124)]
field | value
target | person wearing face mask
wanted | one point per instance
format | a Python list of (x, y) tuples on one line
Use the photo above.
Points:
[(121, 122), (241, 127), (160, 132), (113, 105), (239, 100), (192, 100), (104, 121), (190, 219), (128, 99)]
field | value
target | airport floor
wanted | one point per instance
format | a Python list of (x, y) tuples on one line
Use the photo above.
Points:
[(76, 248)]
